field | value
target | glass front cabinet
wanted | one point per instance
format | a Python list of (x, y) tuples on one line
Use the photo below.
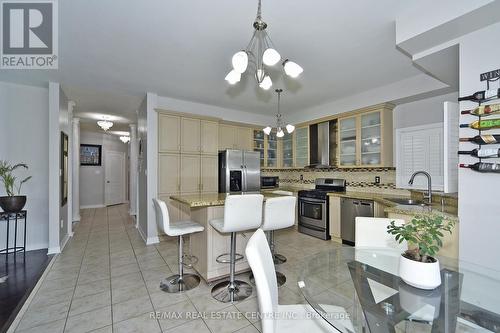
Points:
[(287, 151), (365, 139), (301, 140)]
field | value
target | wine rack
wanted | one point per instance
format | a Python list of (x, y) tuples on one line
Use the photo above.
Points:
[(480, 117)]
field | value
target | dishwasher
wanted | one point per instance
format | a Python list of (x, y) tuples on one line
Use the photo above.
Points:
[(349, 210)]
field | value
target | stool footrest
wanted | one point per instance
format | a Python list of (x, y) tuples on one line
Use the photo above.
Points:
[(220, 259), (189, 260)]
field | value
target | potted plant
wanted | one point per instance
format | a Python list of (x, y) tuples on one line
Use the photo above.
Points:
[(417, 266), (13, 202)]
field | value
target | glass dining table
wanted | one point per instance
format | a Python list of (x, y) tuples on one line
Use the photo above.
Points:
[(363, 286)]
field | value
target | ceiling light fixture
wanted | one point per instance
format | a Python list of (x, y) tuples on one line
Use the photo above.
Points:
[(260, 52), (279, 121), (125, 138), (105, 124)]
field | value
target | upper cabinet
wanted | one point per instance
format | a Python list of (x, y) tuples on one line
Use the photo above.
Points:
[(301, 146), (235, 137), (169, 133), (209, 137), (259, 144), (365, 139), (190, 135), (287, 151), (177, 134), (272, 150)]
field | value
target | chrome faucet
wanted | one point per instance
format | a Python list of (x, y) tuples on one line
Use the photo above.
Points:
[(429, 184)]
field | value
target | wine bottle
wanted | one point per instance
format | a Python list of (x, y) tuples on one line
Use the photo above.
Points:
[(479, 96), (483, 139), (483, 167), (481, 153), (483, 124), (484, 110)]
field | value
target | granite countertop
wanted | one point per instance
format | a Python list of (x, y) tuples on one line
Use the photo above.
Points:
[(211, 199), (447, 211)]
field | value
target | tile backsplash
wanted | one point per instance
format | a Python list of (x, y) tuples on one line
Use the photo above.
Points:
[(358, 179)]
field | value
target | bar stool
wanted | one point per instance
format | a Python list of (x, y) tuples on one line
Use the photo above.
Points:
[(178, 282), (241, 212), (279, 213)]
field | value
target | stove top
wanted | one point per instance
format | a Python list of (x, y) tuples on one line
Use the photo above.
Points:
[(323, 187)]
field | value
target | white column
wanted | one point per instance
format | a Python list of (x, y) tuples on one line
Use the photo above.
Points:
[(133, 172), (76, 169)]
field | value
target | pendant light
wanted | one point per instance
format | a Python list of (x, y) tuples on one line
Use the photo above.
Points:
[(279, 121), (260, 53)]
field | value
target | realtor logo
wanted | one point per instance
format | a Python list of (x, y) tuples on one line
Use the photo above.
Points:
[(29, 37)]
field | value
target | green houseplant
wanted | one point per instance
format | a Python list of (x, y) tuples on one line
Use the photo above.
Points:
[(13, 202), (418, 266)]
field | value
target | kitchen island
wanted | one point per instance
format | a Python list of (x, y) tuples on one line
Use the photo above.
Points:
[(210, 243)]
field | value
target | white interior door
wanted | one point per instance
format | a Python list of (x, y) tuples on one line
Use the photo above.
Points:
[(114, 187)]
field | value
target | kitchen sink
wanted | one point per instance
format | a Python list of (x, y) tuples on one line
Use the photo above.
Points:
[(410, 202)]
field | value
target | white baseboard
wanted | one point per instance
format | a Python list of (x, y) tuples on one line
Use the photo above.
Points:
[(92, 206), (32, 247), (153, 240), (65, 241), (54, 250)]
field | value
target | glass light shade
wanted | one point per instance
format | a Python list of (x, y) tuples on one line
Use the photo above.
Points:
[(104, 124), (260, 75), (290, 128), (266, 83), (125, 138), (267, 130), (233, 77), (240, 62), (292, 69), (280, 133), (271, 57)]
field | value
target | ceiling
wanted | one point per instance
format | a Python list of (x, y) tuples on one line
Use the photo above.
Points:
[(112, 52)]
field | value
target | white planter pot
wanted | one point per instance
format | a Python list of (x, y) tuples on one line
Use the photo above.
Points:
[(419, 274)]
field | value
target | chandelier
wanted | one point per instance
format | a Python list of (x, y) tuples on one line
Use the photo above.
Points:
[(279, 121), (105, 124), (260, 52), (125, 138)]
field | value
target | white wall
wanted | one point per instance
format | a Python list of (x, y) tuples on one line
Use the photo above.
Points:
[(92, 177), (24, 138), (65, 126), (479, 210), (142, 133), (422, 112)]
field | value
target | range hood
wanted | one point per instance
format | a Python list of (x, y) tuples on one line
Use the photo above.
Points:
[(322, 145)]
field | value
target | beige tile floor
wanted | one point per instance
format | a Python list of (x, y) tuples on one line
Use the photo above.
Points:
[(107, 280)]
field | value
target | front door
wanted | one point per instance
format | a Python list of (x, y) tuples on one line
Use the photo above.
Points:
[(114, 188)]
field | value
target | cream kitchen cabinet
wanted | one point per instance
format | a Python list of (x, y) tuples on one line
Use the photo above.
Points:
[(209, 137), (169, 173), (301, 147), (190, 173), (365, 139), (235, 137), (190, 135), (209, 174), (169, 133)]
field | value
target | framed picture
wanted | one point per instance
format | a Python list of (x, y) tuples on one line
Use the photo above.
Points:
[(90, 155), (64, 168)]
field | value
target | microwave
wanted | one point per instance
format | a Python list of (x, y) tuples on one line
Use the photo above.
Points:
[(269, 182)]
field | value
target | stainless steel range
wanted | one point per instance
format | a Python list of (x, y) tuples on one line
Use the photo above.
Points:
[(313, 207)]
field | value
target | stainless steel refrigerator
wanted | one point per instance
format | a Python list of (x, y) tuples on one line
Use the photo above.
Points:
[(239, 171)]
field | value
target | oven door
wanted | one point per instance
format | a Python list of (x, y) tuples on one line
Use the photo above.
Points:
[(312, 212)]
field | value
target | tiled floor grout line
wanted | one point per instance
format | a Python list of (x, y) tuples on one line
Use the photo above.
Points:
[(109, 260), (140, 270), (79, 271)]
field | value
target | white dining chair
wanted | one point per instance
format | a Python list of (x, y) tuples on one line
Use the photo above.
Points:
[(372, 232), (277, 318)]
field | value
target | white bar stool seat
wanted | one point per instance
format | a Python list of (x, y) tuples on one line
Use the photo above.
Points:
[(241, 213), (279, 213), (178, 282)]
